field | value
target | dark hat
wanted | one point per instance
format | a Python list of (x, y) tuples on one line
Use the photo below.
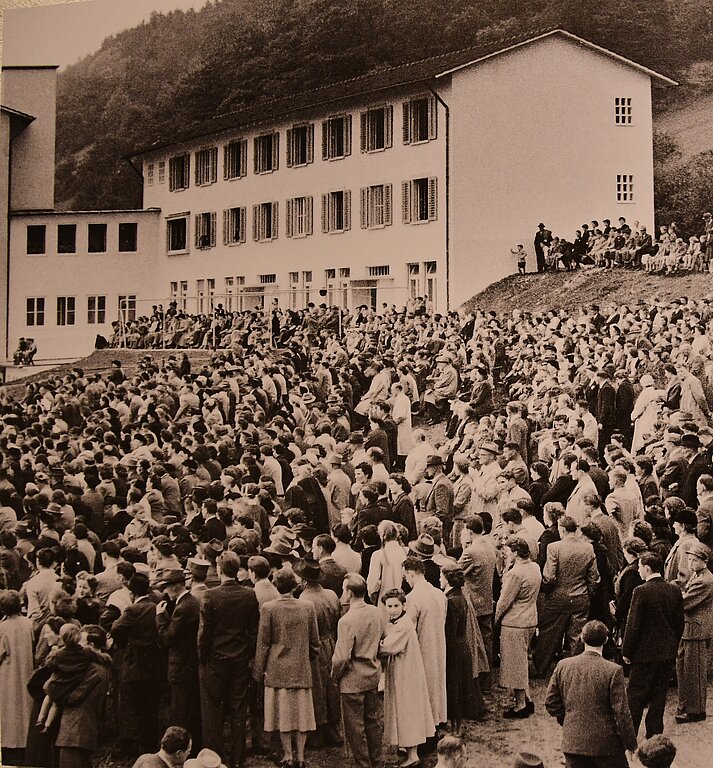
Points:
[(423, 547), (690, 441), (356, 437), (434, 460), (278, 548), (174, 576), (309, 570), (699, 549), (198, 566)]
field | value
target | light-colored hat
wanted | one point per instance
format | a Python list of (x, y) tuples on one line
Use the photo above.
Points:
[(528, 760)]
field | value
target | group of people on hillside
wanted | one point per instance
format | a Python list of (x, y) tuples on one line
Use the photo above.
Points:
[(268, 539)]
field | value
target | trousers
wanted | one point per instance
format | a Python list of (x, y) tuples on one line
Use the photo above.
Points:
[(363, 727), (691, 673), (648, 684), (600, 761), (559, 619)]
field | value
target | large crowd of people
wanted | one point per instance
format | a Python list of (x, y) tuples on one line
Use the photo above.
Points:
[(279, 542)]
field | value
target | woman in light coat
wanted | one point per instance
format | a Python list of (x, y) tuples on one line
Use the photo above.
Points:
[(645, 413), (386, 566), (516, 612)]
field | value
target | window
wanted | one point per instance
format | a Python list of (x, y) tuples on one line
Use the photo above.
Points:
[(265, 221), (36, 238), (234, 226), (376, 130), (96, 238), (299, 217), (622, 110), (419, 200), (67, 238), (375, 206), (337, 137), (161, 171), (149, 174), (268, 279), (211, 293), (235, 159), (345, 272), (200, 296), (179, 169), (65, 310), (336, 211), (420, 120), (300, 145), (382, 271), (35, 311), (127, 307), (414, 280), (624, 188), (183, 295), (206, 166), (330, 274), (174, 292), (229, 293), (267, 156), (96, 310), (205, 224), (128, 237), (177, 234)]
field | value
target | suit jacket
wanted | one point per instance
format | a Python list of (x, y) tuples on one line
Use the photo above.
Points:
[(698, 606), (287, 643), (178, 632), (332, 575), (588, 697), (570, 569), (699, 466), (355, 664), (478, 561), (517, 606), (228, 623), (606, 410), (136, 631), (440, 499), (655, 623)]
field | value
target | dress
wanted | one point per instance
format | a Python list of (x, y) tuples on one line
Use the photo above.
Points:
[(15, 671), (407, 712)]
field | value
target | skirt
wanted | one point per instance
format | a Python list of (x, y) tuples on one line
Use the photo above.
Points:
[(289, 709), (514, 647)]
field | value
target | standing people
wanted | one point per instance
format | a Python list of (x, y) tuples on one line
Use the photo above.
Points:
[(543, 238), (439, 501), (587, 696), (226, 645), (653, 632), (356, 670)]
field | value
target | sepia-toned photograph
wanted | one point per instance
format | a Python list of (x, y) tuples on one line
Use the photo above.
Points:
[(356, 383)]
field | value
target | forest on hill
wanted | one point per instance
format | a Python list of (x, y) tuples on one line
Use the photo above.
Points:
[(183, 68)]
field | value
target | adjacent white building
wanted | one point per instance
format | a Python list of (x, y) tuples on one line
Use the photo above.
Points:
[(414, 180)]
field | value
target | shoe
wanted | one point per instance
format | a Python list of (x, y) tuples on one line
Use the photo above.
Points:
[(530, 706), (517, 714), (684, 717)]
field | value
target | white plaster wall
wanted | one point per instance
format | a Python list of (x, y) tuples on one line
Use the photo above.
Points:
[(533, 139)]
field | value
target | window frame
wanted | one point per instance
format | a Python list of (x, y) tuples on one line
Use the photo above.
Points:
[(122, 235), (206, 166), (96, 315), (204, 230), (90, 227), (37, 312), (129, 310), (63, 250), (623, 111), (235, 157), (409, 120), (170, 221), (299, 210), (625, 188), (368, 129), (410, 201), (185, 174), (328, 139), (66, 310), (368, 206), (292, 145), (38, 228), (260, 221), (261, 153), (229, 217), (330, 211)]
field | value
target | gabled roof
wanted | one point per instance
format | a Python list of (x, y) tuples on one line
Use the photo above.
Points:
[(379, 80)]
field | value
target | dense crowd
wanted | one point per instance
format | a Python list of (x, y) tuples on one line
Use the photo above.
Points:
[(269, 539)]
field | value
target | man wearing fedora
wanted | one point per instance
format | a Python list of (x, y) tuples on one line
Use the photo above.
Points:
[(587, 696), (439, 501), (177, 620), (227, 637)]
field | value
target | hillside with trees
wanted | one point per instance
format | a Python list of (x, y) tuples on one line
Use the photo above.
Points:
[(180, 69)]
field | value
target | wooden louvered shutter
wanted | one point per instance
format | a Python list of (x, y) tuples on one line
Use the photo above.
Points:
[(407, 122), (325, 213), (347, 210), (348, 135), (289, 148), (432, 118), (325, 140), (256, 154), (256, 222), (275, 151), (289, 206), (432, 199), (197, 230), (364, 208), (242, 218), (406, 202), (226, 227), (388, 127), (310, 143), (213, 227), (308, 215), (363, 133), (214, 164), (275, 220), (388, 216), (226, 161), (244, 157)]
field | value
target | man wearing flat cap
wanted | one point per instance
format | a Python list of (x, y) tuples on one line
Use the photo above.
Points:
[(439, 501), (694, 650), (177, 619)]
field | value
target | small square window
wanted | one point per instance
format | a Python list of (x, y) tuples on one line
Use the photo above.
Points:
[(67, 238), (128, 237), (96, 238), (36, 238), (624, 188)]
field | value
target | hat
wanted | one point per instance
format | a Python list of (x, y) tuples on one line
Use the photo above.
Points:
[(206, 758), (174, 576), (278, 547), (490, 447), (528, 760), (308, 398), (434, 460), (690, 441), (699, 549), (213, 547), (309, 570), (647, 380), (423, 547), (356, 437), (198, 565)]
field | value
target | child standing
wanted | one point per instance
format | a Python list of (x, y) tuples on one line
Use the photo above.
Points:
[(521, 258)]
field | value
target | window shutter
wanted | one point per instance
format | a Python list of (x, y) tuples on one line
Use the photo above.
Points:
[(274, 220), (226, 227), (362, 131), (275, 151), (388, 219), (244, 157), (242, 216), (289, 205), (256, 152), (289, 149), (197, 229), (347, 210), (213, 227), (363, 208), (325, 137), (256, 222), (406, 202), (226, 163), (214, 164), (407, 122), (432, 118), (325, 213), (310, 143), (432, 198), (388, 126), (348, 135), (308, 214), (187, 170)]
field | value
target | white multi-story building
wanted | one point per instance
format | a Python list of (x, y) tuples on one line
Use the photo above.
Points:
[(414, 180)]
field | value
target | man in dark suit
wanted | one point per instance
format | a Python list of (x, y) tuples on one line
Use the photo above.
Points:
[(606, 407), (333, 574), (439, 501), (142, 667), (177, 621), (587, 696), (653, 632), (543, 237), (227, 635)]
